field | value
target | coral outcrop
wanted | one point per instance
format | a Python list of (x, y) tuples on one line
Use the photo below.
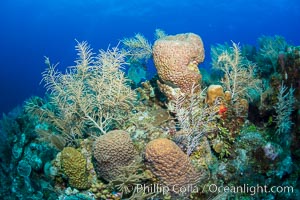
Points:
[(213, 92), (176, 59), (170, 164), (112, 152), (74, 166)]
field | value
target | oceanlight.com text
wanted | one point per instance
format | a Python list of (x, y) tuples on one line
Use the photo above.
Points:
[(249, 189)]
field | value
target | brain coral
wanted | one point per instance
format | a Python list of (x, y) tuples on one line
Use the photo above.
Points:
[(170, 164), (176, 59), (113, 151), (74, 166)]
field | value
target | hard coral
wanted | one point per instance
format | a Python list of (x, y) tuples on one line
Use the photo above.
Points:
[(214, 92), (176, 59), (74, 166), (170, 164), (112, 152)]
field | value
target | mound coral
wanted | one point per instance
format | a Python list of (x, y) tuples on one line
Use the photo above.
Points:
[(176, 59), (170, 164), (112, 152), (214, 92), (74, 166)]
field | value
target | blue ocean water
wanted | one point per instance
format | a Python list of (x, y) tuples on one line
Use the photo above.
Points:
[(32, 29)]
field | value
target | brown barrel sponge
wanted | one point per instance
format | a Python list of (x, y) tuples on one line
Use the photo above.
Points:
[(176, 59)]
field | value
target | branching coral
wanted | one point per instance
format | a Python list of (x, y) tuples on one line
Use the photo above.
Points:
[(90, 97), (159, 33), (284, 108), (138, 48), (194, 119), (269, 50), (239, 76), (139, 51), (129, 178)]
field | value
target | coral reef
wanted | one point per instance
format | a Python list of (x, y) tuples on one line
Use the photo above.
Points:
[(22, 159), (92, 137), (113, 151), (176, 59)]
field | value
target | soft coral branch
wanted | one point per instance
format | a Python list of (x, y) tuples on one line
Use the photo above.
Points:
[(238, 72)]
